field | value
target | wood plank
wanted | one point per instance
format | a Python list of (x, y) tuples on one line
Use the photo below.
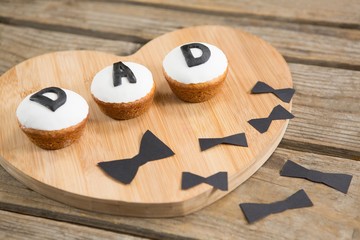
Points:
[(327, 110), (18, 226), (335, 95), (325, 46), (334, 215), (18, 44), (334, 13)]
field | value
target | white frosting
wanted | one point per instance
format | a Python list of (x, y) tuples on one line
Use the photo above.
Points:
[(175, 65), (34, 115), (102, 86)]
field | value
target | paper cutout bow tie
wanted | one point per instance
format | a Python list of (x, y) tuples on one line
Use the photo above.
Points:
[(263, 124), (151, 148), (338, 181), (284, 94), (257, 211), (218, 180), (237, 139)]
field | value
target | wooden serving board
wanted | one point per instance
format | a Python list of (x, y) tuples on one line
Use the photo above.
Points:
[(71, 175)]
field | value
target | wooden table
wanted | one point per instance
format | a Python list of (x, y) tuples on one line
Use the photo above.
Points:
[(319, 39)]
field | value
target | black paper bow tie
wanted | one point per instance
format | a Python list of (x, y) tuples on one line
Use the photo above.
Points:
[(257, 211), (218, 180), (151, 148), (237, 139), (284, 94), (263, 124), (338, 181)]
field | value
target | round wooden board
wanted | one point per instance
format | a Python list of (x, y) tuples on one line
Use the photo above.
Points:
[(71, 175)]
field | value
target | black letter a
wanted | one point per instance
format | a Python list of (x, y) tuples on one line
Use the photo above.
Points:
[(120, 70)]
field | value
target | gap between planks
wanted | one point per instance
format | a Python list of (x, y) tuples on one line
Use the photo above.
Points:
[(319, 149), (22, 226), (341, 37), (322, 63), (80, 222), (72, 30), (167, 6), (139, 40)]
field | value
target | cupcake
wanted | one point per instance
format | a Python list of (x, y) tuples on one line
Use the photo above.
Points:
[(123, 90), (53, 118), (195, 71)]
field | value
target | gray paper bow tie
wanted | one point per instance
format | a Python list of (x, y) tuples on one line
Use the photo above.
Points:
[(218, 180), (257, 211), (263, 124), (338, 181), (236, 139), (284, 94)]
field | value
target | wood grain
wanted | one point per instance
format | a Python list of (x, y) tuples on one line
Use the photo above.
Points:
[(321, 90), (19, 44), (323, 12), (71, 175), (335, 95), (327, 109), (334, 215), (325, 46), (18, 226)]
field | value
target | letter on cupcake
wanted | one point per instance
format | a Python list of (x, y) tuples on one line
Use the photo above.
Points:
[(192, 61), (120, 70), (40, 98)]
